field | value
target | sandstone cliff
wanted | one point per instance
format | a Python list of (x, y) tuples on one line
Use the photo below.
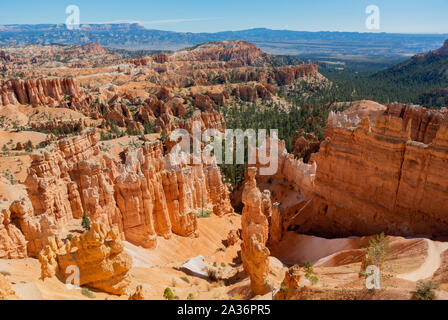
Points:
[(385, 173), (37, 92), (290, 186), (145, 194)]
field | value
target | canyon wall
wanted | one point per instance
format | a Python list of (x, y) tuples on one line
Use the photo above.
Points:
[(295, 172), (145, 195), (37, 92), (384, 173)]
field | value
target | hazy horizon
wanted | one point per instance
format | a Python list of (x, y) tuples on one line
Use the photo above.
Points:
[(236, 30), (406, 17)]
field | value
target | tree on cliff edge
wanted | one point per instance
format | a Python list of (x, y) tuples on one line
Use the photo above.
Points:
[(85, 222)]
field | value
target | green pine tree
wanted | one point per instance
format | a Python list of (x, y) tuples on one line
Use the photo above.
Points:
[(85, 222)]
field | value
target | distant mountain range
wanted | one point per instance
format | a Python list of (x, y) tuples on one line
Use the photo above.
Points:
[(311, 44)]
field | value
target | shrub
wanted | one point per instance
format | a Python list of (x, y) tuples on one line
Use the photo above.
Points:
[(309, 272), (425, 290), (185, 279), (377, 252), (85, 222), (212, 274), (70, 237), (105, 136), (163, 137), (86, 292), (133, 132), (204, 213), (150, 127), (190, 296), (29, 146), (168, 294)]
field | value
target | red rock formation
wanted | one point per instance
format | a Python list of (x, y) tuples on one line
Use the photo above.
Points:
[(6, 291), (161, 58), (36, 229), (218, 192), (275, 225), (58, 125), (241, 52), (424, 123), (299, 175), (251, 94), (138, 294), (98, 254), (208, 120), (145, 195), (305, 145), (164, 93), (294, 281), (142, 61), (386, 175), (5, 56), (119, 114), (204, 102), (233, 237), (219, 98), (88, 49), (246, 93), (255, 228), (12, 241), (36, 92), (287, 74), (49, 177), (292, 175)]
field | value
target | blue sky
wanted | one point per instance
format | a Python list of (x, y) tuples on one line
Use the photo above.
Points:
[(404, 16)]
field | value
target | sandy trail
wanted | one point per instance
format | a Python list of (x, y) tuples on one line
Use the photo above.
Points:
[(431, 264)]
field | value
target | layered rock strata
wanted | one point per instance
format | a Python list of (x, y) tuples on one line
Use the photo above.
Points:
[(37, 92), (382, 174), (145, 195)]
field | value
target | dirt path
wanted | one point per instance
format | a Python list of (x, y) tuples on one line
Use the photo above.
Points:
[(431, 264)]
